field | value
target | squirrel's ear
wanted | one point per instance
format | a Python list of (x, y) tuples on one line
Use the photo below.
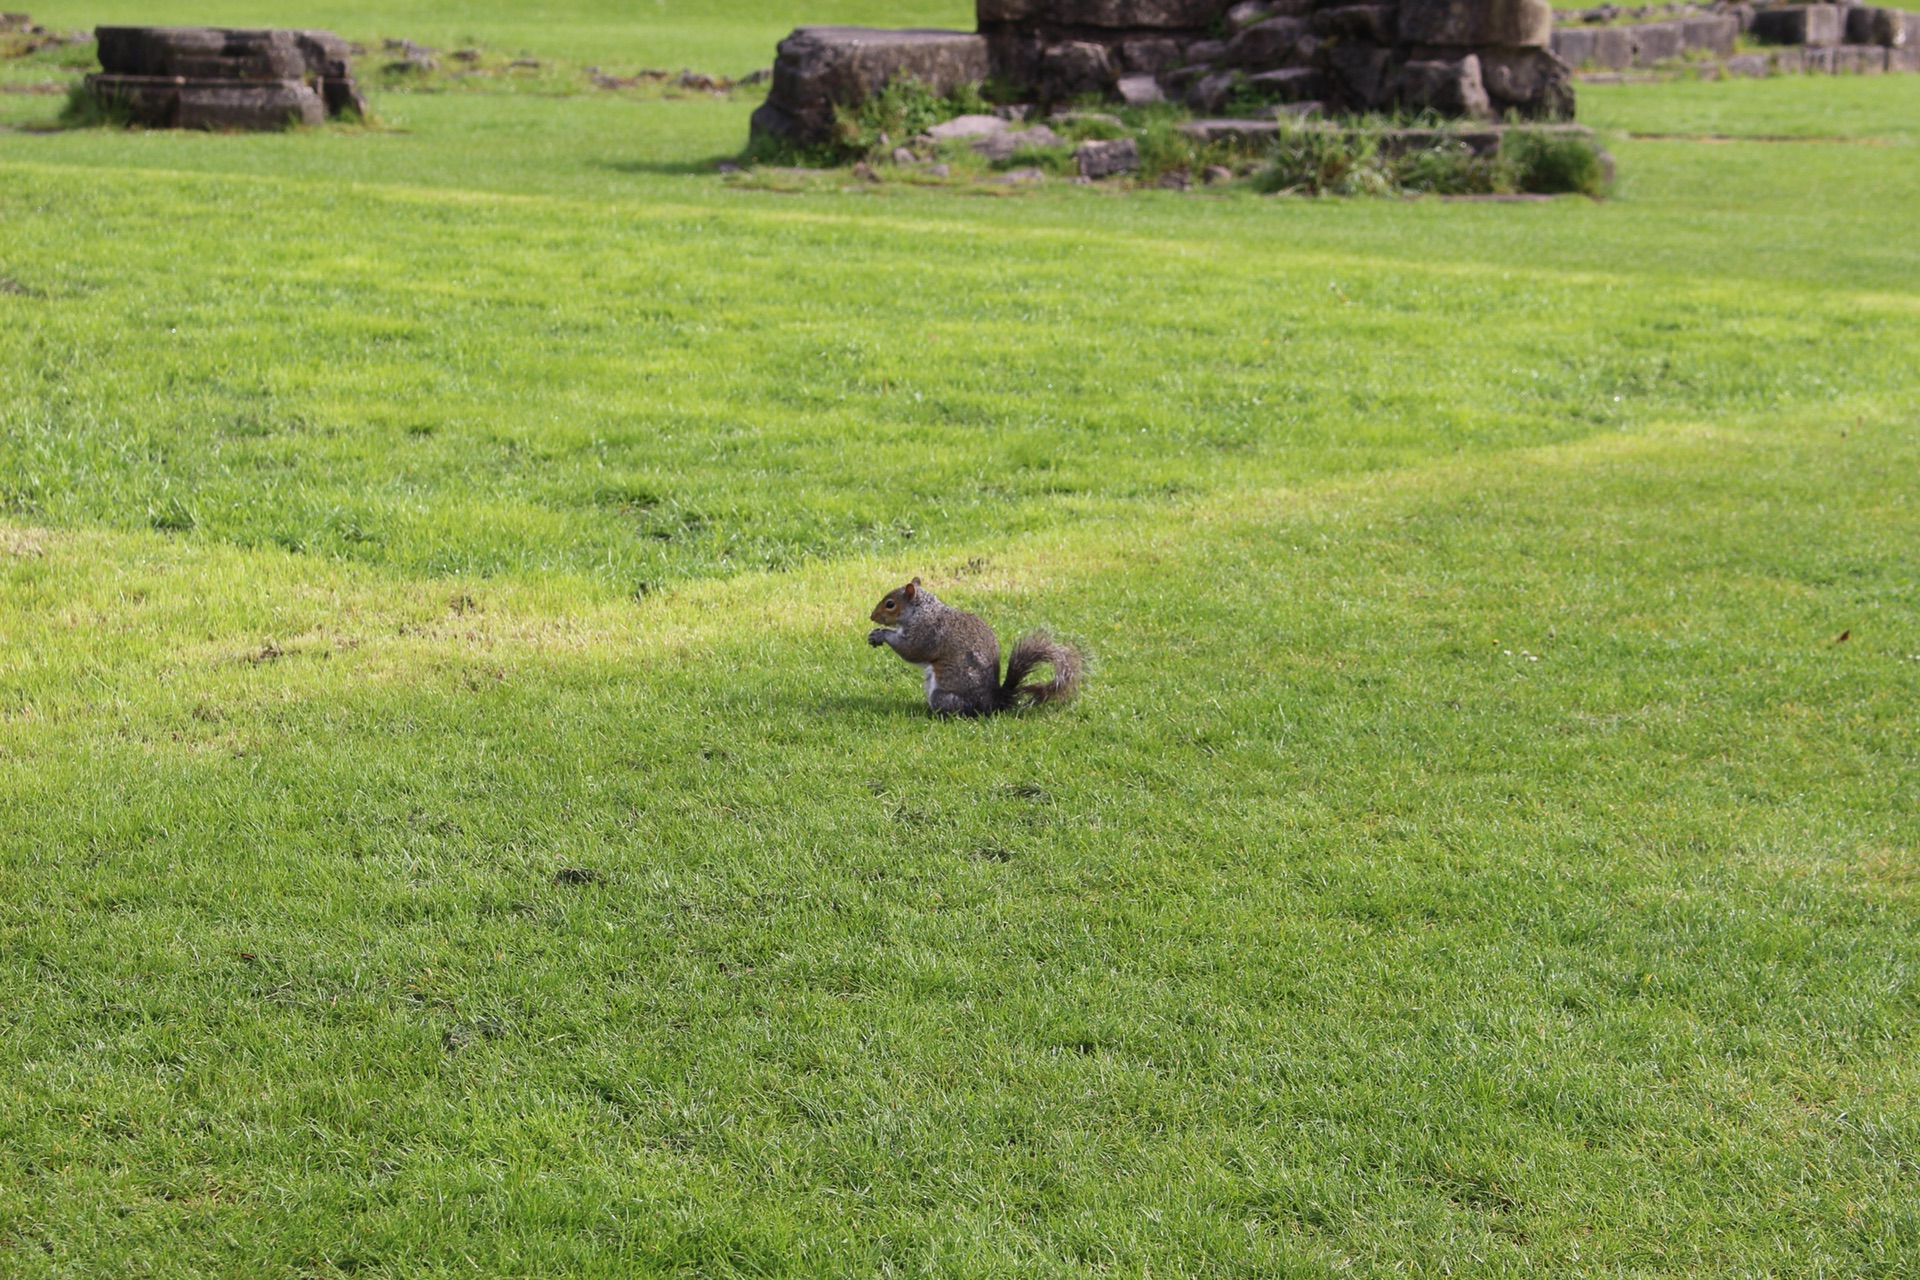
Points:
[(910, 588)]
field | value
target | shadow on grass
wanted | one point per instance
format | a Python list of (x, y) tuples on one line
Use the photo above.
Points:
[(904, 705), (664, 167)]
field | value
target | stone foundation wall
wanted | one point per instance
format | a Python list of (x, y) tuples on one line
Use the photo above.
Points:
[(1469, 58), (1865, 39)]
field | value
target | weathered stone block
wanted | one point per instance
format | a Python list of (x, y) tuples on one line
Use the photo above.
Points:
[(1265, 44), (340, 95), (1903, 59), (1105, 159), (326, 54), (1827, 60), (265, 106), (1575, 44), (219, 78), (1790, 58), (1842, 59), (1614, 49), (1893, 28), (1181, 79), (1074, 68), (1533, 82), (273, 64), (171, 102), (1211, 91), (200, 53), (1808, 24), (1657, 42), (1001, 146), (1150, 55), (148, 51), (1515, 23), (1452, 88), (819, 68), (972, 126), (1713, 34), (1603, 48), (1013, 57), (1752, 65), (1362, 74), (1139, 91), (1206, 51)]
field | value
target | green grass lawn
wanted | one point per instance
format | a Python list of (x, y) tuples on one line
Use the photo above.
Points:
[(450, 822)]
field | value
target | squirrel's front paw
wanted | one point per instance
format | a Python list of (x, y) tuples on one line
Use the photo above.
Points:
[(877, 637)]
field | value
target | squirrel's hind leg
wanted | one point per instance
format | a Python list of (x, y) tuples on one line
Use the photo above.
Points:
[(944, 702)]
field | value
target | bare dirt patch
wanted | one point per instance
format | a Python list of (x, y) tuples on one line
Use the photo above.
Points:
[(23, 543)]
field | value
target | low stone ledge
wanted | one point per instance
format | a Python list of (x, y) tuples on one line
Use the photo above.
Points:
[(1483, 141), (176, 102), (200, 53)]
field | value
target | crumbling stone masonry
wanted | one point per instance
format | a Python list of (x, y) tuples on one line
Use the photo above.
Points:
[(218, 78), (1467, 58), (1801, 37)]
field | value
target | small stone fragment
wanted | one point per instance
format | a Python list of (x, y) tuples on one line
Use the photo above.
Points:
[(1001, 146), (1247, 13), (967, 127), (1105, 159), (1211, 93)]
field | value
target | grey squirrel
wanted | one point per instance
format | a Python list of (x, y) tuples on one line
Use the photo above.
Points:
[(962, 656)]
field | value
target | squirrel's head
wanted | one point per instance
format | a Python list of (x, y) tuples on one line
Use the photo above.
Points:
[(897, 603)]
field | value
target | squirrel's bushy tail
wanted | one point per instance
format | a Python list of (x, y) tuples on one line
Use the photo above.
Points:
[(1029, 653)]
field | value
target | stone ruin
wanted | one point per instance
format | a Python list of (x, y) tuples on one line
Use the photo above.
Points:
[(1476, 59), (221, 78), (1831, 38)]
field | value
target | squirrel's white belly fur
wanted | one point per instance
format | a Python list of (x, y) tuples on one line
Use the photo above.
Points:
[(932, 681)]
